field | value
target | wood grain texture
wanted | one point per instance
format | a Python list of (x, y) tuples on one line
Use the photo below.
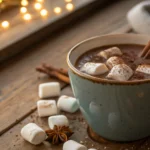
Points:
[(20, 103), (78, 125)]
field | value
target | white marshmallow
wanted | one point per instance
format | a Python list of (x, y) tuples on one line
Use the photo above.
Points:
[(47, 108), (72, 145), (139, 17), (113, 51), (113, 61), (50, 89), (68, 104), (94, 68), (59, 120), (33, 133), (120, 72), (144, 69)]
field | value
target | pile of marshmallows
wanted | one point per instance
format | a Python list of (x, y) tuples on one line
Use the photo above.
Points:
[(118, 69), (36, 135)]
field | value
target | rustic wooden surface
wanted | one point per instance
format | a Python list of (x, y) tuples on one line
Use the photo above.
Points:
[(19, 82)]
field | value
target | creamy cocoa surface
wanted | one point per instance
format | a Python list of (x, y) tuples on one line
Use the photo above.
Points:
[(130, 57)]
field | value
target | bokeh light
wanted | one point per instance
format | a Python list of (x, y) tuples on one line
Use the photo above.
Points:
[(27, 17), (57, 10), (24, 3), (69, 6), (23, 10), (37, 6), (5, 24), (44, 12)]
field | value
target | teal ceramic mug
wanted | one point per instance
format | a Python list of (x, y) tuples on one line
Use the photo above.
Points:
[(118, 111)]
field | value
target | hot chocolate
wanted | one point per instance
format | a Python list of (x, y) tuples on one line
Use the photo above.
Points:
[(115, 62)]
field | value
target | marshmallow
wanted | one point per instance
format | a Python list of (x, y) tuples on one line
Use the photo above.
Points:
[(144, 69), (94, 68), (33, 133), (59, 120), (139, 17), (46, 108), (113, 61), (110, 52), (68, 104), (50, 89), (72, 145), (120, 72)]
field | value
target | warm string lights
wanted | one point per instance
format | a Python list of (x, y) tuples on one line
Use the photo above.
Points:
[(57, 10), (5, 24), (27, 17), (69, 6), (44, 12), (38, 5), (41, 1), (68, 1), (24, 3), (23, 10)]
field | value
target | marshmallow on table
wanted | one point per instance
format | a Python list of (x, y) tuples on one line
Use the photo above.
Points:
[(120, 72), (113, 61), (47, 108), (50, 89), (94, 68), (72, 145), (144, 69), (139, 17), (113, 51), (59, 120), (68, 104), (33, 133)]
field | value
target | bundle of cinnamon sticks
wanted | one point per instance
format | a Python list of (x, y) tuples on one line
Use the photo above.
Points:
[(59, 73)]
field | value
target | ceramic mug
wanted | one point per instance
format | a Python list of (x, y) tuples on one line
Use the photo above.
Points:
[(115, 110)]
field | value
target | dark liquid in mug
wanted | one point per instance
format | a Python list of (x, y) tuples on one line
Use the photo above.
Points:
[(130, 54)]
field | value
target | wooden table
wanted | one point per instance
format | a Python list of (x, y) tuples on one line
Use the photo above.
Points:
[(19, 81)]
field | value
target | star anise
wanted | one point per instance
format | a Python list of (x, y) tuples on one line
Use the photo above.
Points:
[(59, 134)]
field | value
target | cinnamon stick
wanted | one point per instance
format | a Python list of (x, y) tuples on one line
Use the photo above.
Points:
[(148, 53), (51, 68), (145, 51), (54, 74)]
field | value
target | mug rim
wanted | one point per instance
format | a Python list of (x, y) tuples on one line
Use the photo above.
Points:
[(101, 80)]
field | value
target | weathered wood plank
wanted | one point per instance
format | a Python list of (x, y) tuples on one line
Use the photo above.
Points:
[(20, 103), (12, 139)]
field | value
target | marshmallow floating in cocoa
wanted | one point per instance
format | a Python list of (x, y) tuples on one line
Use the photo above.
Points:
[(68, 104), (33, 134), (47, 108), (113, 61), (139, 17), (50, 89), (113, 51), (59, 120), (120, 72), (94, 68), (144, 69), (73, 145)]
